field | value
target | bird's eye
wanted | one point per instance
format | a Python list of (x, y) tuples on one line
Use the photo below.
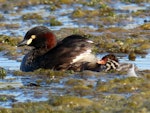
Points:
[(30, 39)]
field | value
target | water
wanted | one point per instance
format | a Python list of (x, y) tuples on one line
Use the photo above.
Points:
[(20, 92), (63, 15), (141, 63), (9, 64)]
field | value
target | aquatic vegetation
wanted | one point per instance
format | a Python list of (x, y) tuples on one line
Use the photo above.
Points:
[(70, 101), (114, 42), (12, 41), (72, 82), (43, 72), (135, 1), (82, 90), (12, 26), (146, 74), (1, 17), (31, 107), (49, 72), (132, 56), (3, 73), (122, 95), (79, 13), (3, 98), (29, 16), (54, 22), (146, 26), (130, 84), (8, 45), (53, 7), (106, 11), (66, 1)]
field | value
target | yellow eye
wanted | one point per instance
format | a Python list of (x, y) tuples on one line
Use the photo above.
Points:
[(30, 40), (33, 36)]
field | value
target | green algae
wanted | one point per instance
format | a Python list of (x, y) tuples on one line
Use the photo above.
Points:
[(72, 82), (1, 17), (55, 22), (29, 16), (136, 101), (132, 56), (46, 72), (146, 26), (10, 26), (135, 1), (3, 73), (125, 85), (3, 98), (116, 44), (31, 107), (8, 45), (145, 74), (12, 41), (80, 13), (72, 104), (49, 72), (145, 46), (104, 88), (82, 90), (66, 1), (70, 101), (106, 11)]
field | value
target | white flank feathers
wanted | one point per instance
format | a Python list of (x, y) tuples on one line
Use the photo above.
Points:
[(89, 41), (86, 56)]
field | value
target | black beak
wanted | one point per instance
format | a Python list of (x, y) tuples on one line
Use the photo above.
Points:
[(22, 43)]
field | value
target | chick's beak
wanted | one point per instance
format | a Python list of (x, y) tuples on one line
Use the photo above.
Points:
[(22, 43), (101, 62)]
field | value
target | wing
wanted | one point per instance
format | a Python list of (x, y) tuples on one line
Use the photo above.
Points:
[(67, 52)]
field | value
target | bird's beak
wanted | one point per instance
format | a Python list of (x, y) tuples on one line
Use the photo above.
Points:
[(22, 43), (101, 62)]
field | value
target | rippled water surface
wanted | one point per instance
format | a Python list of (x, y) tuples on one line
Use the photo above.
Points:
[(14, 17), (28, 93)]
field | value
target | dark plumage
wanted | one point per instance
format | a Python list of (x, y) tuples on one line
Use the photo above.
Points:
[(72, 53)]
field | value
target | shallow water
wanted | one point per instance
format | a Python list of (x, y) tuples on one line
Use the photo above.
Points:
[(63, 15), (19, 91), (15, 89), (9, 64)]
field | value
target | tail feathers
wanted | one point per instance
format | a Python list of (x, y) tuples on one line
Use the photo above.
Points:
[(131, 71)]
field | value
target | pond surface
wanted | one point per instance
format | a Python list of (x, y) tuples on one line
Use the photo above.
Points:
[(15, 89), (63, 15), (18, 89)]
